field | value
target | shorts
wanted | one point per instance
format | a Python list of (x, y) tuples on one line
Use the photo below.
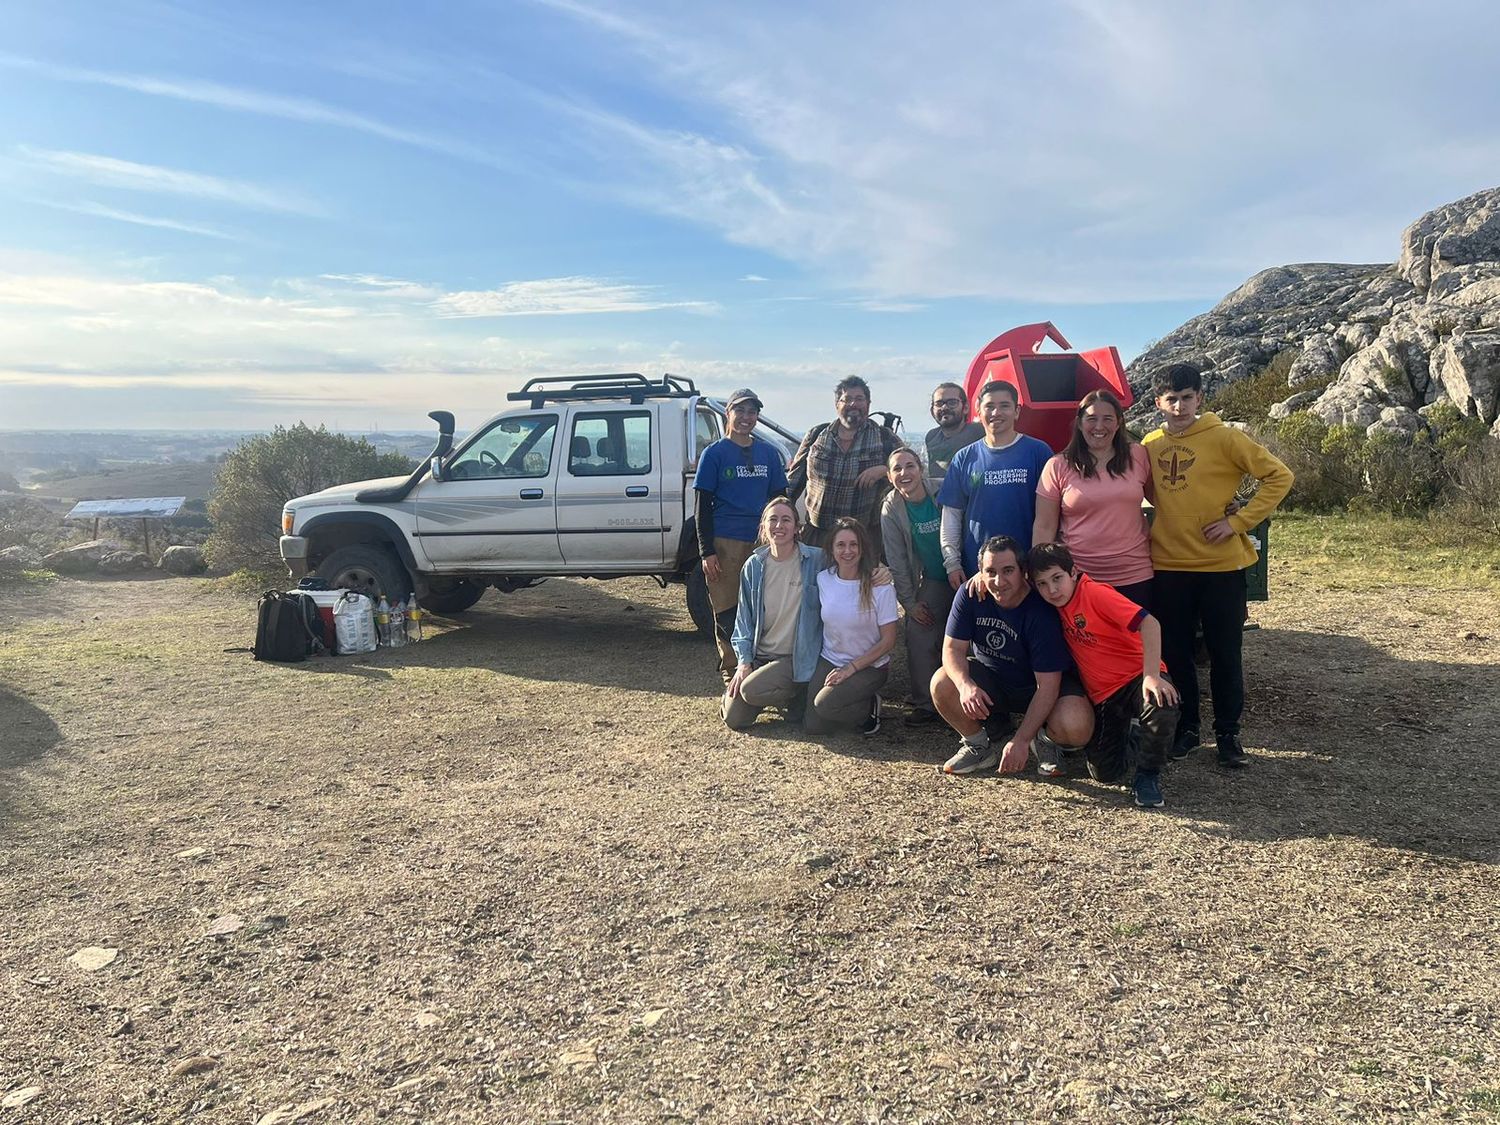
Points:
[(1007, 700)]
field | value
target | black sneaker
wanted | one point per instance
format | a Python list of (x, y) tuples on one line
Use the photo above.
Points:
[(1231, 754), (922, 717), (872, 724), (1184, 744)]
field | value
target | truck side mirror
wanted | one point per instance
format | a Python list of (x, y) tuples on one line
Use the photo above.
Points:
[(437, 468)]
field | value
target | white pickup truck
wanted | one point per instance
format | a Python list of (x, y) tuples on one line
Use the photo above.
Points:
[(591, 478)]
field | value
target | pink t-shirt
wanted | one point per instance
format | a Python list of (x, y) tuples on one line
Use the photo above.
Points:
[(1100, 518)]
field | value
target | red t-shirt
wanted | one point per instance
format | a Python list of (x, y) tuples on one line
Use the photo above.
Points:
[(1103, 630)]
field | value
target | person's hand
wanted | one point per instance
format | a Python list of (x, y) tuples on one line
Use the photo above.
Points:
[(955, 579), (881, 576), (921, 613), (871, 476), (733, 688), (838, 676), (1013, 758), (976, 587), (1156, 690), (711, 568), (1233, 506), (1218, 531), (974, 701)]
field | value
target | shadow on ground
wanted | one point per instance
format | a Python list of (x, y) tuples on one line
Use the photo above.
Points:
[(29, 733)]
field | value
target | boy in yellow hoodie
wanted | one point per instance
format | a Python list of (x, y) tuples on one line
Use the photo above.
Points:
[(1200, 553)]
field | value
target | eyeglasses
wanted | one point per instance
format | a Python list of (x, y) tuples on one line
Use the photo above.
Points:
[(947, 402)]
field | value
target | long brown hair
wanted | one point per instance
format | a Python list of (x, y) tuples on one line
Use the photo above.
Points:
[(1077, 452), (867, 560)]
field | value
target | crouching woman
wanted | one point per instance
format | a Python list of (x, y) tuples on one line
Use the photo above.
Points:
[(859, 631), (778, 631)]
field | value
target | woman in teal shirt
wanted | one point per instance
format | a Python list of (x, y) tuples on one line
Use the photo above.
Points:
[(910, 520)]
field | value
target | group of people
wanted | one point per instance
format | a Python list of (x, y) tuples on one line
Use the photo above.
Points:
[(1045, 616)]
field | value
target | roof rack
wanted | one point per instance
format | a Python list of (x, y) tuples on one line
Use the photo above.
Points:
[(632, 385)]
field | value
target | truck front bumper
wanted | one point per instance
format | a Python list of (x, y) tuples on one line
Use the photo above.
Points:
[(294, 554)]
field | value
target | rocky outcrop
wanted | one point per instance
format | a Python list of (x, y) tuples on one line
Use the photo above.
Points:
[(1381, 342), (83, 558), (123, 562), (183, 560), (19, 558)]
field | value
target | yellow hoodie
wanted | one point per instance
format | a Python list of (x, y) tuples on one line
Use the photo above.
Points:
[(1196, 473)]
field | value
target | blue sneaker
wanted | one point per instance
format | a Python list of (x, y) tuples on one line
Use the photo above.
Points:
[(1148, 790)]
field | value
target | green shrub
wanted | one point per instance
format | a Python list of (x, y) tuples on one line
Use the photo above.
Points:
[(1250, 399), (264, 472), (1472, 496)]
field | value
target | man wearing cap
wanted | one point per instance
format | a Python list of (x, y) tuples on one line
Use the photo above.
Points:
[(736, 476), (841, 465)]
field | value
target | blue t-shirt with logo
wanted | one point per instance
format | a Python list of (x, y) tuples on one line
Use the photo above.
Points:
[(996, 491), (1016, 643), (740, 480)]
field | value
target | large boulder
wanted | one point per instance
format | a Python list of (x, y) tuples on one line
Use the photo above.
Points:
[(1289, 406), (19, 558), (1350, 404), (183, 560), (1400, 421), (1320, 359), (83, 558), (1468, 368), (123, 562), (1460, 234)]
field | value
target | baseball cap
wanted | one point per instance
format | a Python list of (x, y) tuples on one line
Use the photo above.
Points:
[(744, 394)]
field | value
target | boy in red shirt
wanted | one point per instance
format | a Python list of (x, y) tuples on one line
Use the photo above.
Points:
[(1117, 647)]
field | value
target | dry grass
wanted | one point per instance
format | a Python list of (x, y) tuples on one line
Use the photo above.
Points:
[(520, 873)]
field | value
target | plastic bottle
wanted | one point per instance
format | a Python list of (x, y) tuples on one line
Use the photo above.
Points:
[(413, 619), (398, 623), (383, 620)]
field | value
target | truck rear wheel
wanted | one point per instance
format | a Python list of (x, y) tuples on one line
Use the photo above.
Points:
[(368, 569), (699, 608), (453, 597)]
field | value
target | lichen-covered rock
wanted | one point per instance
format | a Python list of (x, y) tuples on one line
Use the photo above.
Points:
[(1401, 421), (1350, 404), (1299, 401), (1468, 368), (1462, 233), (83, 558), (1321, 357), (123, 562), (183, 560), (19, 558)]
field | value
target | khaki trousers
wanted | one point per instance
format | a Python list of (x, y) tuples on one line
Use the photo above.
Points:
[(724, 596), (770, 685)]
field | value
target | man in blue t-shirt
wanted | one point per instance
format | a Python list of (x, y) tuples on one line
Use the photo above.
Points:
[(1004, 653), (990, 488), (736, 476)]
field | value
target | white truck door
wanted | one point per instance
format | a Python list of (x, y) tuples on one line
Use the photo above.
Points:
[(609, 502), (496, 508)]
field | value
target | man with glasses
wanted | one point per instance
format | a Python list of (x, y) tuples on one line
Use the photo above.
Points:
[(954, 430), (990, 488), (841, 465), (736, 476)]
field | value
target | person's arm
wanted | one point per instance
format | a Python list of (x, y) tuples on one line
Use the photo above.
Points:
[(951, 538), (972, 698), (703, 525), (796, 472), (1275, 482), (1153, 687), (1048, 513), (742, 640), (897, 557), (776, 476), (867, 658), (1018, 749)]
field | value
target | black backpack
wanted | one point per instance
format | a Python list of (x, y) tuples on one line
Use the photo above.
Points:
[(287, 627)]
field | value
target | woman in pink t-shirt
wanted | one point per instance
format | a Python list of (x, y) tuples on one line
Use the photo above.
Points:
[(1089, 497)]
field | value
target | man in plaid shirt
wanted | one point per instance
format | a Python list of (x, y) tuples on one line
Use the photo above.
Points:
[(841, 465)]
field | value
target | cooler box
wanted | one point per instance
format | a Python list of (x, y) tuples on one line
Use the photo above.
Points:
[(325, 600)]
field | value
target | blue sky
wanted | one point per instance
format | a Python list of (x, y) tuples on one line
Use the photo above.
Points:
[(234, 215)]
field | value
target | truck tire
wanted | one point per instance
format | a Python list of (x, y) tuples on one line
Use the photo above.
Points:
[(699, 608), (453, 597), (367, 568)]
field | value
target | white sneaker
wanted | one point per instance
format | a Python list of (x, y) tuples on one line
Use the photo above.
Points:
[(972, 759)]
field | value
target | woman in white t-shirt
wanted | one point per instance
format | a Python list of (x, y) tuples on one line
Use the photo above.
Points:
[(859, 631)]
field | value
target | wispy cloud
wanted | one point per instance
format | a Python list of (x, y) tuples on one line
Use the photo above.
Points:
[(754, 277), (557, 296), (98, 210), (109, 171)]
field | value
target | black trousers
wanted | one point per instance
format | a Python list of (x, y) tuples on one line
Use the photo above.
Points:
[(1182, 600), (1107, 755)]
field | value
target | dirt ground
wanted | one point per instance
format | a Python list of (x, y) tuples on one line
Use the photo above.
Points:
[(520, 872)]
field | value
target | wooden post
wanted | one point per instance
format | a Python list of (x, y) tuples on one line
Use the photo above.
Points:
[(146, 534)]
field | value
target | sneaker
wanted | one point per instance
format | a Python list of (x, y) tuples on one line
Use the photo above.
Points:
[(1184, 744), (922, 717), (1231, 754), (1048, 757), (972, 759), (872, 724), (1148, 791)]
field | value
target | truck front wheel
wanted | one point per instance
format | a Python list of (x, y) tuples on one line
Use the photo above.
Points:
[(368, 569), (700, 609)]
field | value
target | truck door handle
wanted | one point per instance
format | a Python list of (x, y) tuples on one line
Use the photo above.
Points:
[(531, 494), (638, 490)]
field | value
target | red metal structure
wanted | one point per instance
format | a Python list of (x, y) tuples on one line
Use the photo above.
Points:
[(1048, 384)]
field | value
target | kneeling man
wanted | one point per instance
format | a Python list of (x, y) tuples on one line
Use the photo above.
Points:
[(1117, 647), (1003, 652)]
